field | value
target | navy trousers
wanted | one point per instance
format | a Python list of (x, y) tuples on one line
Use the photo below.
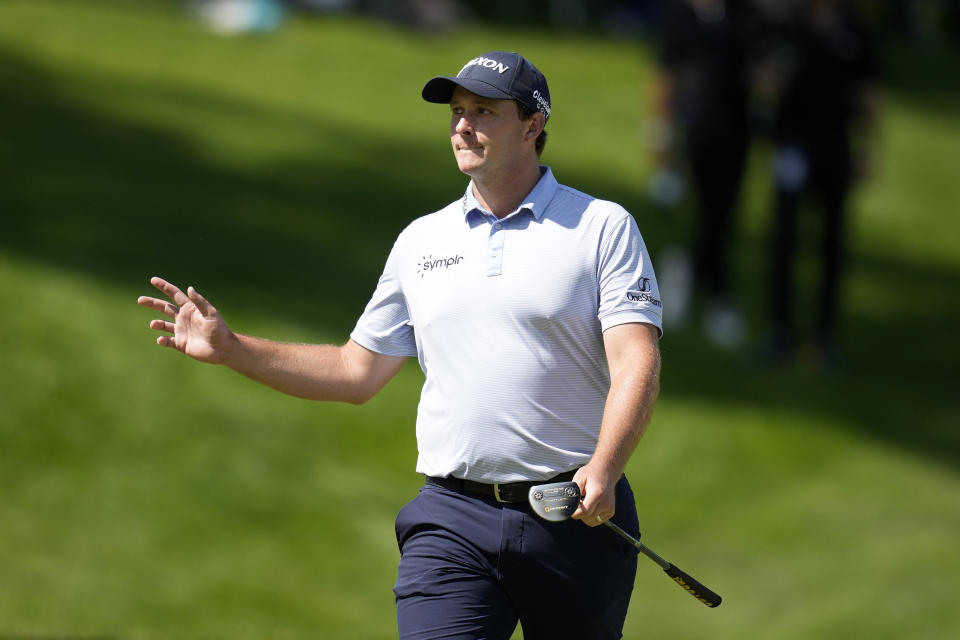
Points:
[(471, 568)]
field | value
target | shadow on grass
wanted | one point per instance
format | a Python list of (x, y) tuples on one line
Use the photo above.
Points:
[(305, 239)]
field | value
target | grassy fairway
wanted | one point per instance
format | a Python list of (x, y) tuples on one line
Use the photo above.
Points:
[(145, 497)]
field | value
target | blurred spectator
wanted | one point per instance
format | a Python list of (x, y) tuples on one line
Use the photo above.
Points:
[(323, 6), (825, 66), (632, 18), (431, 16), (702, 109), (233, 17), (919, 19)]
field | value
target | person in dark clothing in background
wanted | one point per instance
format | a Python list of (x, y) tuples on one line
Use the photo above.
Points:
[(704, 95), (828, 70)]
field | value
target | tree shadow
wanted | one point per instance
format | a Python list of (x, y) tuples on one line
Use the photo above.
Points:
[(306, 236)]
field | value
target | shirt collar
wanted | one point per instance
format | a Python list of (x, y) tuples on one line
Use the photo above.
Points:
[(536, 201)]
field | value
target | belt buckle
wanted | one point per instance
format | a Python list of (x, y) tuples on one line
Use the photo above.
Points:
[(496, 492)]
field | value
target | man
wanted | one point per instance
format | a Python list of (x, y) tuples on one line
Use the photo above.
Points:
[(534, 313), (703, 94), (826, 114)]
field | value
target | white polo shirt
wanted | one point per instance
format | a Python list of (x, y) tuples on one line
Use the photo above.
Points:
[(506, 319)]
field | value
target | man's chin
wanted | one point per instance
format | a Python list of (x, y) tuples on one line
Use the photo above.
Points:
[(469, 166)]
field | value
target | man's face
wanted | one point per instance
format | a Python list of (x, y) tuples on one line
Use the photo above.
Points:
[(487, 135)]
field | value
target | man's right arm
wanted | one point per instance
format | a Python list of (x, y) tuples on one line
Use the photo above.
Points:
[(348, 373)]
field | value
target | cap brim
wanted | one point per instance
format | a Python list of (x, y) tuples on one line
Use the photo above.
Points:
[(440, 89)]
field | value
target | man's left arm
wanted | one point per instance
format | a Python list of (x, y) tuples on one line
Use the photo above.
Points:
[(633, 355)]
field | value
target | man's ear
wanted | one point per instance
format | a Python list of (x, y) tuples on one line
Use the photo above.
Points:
[(535, 126)]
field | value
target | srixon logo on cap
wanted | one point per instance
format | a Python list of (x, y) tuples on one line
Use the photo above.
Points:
[(489, 63)]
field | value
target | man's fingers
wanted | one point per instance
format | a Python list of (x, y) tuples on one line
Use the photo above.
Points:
[(163, 306), (171, 291), (595, 508), (162, 325), (589, 513), (179, 299), (166, 341), (580, 479), (206, 309), (586, 510)]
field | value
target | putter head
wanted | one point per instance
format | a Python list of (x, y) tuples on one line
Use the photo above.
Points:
[(556, 501)]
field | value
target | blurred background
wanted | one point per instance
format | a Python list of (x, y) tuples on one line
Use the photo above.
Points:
[(791, 163)]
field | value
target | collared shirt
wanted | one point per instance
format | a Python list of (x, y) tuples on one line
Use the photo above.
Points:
[(506, 318)]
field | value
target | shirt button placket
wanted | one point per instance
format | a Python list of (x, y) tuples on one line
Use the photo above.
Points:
[(495, 249)]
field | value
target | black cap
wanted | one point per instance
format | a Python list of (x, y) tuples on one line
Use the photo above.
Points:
[(497, 74)]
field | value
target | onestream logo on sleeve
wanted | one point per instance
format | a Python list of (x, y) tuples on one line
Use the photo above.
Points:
[(641, 293)]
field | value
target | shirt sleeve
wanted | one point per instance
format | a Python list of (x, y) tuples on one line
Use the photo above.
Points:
[(385, 326), (628, 285)]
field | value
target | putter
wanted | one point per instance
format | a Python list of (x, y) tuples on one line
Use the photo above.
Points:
[(556, 502)]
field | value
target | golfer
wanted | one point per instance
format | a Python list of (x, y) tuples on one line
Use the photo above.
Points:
[(534, 313)]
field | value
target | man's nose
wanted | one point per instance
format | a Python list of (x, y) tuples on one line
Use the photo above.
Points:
[(464, 126)]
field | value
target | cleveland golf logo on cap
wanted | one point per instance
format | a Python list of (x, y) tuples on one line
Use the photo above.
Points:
[(489, 63), (542, 102)]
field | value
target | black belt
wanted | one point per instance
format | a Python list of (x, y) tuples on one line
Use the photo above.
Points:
[(509, 492)]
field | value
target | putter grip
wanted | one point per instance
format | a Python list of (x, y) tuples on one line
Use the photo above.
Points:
[(693, 587)]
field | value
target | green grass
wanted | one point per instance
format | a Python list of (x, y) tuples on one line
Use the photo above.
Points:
[(143, 496)]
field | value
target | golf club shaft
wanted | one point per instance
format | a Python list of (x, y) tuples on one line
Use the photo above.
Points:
[(691, 585), (644, 549)]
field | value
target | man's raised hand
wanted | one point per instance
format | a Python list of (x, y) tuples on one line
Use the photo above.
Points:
[(197, 329)]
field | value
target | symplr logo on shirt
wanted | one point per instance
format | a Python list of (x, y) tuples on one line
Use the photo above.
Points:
[(429, 263)]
